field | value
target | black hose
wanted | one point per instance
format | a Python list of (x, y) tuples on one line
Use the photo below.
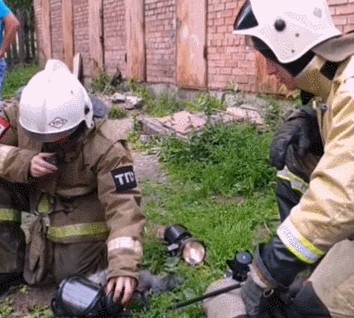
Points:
[(199, 298)]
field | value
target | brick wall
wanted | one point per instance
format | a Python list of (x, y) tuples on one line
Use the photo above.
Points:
[(229, 63), (81, 31), (160, 32), (343, 14), (57, 29), (114, 35), (38, 26)]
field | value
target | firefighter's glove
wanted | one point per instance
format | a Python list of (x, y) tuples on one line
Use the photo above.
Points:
[(300, 131), (259, 293)]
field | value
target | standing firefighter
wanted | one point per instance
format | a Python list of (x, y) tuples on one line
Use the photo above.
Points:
[(8, 29), (75, 172), (305, 50)]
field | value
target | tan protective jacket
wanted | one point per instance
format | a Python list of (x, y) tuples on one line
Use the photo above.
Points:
[(100, 163), (325, 214)]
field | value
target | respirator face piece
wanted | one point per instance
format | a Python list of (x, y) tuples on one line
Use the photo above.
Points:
[(181, 243), (79, 297)]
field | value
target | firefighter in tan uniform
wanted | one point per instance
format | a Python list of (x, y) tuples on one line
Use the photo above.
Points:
[(305, 50), (75, 172)]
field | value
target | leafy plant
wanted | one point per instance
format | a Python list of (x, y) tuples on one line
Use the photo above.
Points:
[(206, 103), (38, 311), (117, 113), (6, 308), (19, 4), (141, 90), (162, 105), (102, 84), (273, 116)]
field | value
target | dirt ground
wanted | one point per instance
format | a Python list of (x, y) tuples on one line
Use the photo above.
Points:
[(32, 299)]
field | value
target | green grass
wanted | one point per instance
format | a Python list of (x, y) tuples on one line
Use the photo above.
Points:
[(18, 77), (221, 189), (117, 113), (222, 159)]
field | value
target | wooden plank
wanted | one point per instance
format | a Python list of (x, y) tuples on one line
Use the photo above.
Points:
[(27, 37), (135, 37), (46, 30), (191, 44), (21, 35), (96, 37), (77, 66), (32, 30), (68, 34)]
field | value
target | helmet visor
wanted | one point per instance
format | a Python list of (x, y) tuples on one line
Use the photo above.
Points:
[(245, 18), (47, 138)]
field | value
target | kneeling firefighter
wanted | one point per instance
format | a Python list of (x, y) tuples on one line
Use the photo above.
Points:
[(315, 188), (74, 171)]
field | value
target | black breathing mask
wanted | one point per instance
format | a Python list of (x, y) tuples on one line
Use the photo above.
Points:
[(79, 297)]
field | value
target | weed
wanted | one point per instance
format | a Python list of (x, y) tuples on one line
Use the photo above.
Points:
[(18, 77), (155, 105), (117, 113), (162, 105), (141, 90), (100, 83), (38, 311), (232, 87), (206, 103), (6, 308), (273, 116)]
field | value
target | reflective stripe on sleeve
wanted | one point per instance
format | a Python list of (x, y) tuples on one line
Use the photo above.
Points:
[(296, 182), (10, 215), (62, 233), (125, 242), (297, 244)]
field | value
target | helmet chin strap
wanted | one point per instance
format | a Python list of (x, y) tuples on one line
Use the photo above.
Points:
[(312, 79)]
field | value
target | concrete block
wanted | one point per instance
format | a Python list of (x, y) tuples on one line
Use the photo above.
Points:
[(184, 122), (245, 115), (152, 126)]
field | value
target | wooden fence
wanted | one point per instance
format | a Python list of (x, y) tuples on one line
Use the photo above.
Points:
[(24, 49)]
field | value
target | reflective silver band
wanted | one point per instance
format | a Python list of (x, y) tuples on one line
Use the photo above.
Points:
[(296, 182), (297, 244), (125, 242)]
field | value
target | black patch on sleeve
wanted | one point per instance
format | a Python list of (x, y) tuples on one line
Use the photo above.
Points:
[(124, 178)]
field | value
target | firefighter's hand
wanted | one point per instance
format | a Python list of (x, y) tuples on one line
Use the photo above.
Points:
[(39, 167), (122, 287)]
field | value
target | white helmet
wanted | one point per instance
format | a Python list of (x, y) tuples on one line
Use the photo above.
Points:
[(53, 65), (289, 28), (54, 103)]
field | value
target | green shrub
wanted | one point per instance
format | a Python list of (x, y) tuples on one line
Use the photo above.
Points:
[(99, 83), (18, 77), (206, 103), (117, 113), (222, 159)]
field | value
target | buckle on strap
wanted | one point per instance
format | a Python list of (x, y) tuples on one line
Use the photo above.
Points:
[(45, 205)]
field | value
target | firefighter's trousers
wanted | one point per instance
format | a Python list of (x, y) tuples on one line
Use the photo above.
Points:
[(70, 240)]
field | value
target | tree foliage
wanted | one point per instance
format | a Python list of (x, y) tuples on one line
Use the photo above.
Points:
[(19, 4)]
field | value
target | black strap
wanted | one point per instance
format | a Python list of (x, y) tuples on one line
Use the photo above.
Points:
[(329, 69)]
